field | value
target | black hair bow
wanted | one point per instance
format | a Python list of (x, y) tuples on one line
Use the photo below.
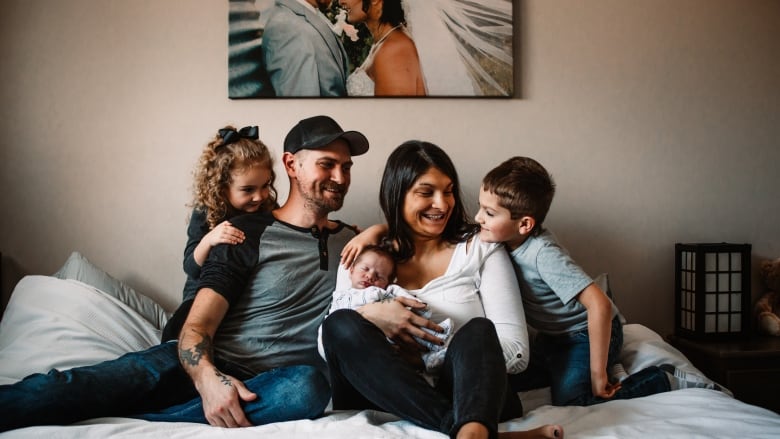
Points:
[(230, 135)]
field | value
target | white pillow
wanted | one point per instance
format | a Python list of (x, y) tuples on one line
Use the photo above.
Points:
[(643, 347), (55, 323), (81, 269)]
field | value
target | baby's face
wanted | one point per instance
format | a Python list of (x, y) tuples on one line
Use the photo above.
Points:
[(371, 269)]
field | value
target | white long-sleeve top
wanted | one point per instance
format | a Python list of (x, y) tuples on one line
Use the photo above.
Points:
[(479, 282)]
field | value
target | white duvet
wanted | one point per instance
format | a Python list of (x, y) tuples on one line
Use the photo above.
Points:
[(51, 322)]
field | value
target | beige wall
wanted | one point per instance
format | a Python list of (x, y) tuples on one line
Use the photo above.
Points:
[(659, 120)]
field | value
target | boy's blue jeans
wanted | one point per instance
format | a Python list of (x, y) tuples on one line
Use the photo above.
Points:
[(563, 363), (152, 385)]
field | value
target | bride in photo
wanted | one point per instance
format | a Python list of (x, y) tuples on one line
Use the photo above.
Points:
[(392, 67), (433, 47)]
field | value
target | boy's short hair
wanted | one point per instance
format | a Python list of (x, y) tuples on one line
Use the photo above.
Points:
[(382, 251), (523, 187)]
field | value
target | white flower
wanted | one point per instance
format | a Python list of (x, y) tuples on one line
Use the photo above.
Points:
[(341, 21), (340, 26), (350, 31)]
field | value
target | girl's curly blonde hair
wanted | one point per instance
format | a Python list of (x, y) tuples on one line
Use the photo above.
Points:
[(213, 175)]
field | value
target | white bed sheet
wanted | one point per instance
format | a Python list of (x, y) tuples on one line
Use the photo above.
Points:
[(64, 314), (690, 413)]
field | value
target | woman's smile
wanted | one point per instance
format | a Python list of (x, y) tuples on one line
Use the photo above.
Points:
[(435, 217)]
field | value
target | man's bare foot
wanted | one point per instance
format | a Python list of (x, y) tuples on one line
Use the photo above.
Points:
[(544, 432)]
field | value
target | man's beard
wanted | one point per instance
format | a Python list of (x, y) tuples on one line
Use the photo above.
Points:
[(323, 204)]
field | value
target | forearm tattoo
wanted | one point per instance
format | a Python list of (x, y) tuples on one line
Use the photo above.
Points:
[(202, 349)]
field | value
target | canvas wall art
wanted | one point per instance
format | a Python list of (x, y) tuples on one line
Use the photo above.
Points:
[(361, 48)]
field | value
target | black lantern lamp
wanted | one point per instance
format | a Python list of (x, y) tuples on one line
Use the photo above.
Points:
[(712, 290)]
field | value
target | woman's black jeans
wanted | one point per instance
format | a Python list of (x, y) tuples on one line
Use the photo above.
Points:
[(367, 373)]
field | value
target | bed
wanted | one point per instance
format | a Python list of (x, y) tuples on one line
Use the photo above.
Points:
[(81, 315)]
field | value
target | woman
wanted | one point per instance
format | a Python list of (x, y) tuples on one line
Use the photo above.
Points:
[(392, 67), (441, 261)]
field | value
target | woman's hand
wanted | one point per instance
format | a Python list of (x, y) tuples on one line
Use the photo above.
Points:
[(371, 236), (400, 324), (224, 233)]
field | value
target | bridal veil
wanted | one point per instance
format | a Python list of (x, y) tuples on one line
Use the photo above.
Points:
[(465, 47)]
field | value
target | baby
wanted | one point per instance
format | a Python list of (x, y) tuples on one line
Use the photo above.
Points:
[(371, 275)]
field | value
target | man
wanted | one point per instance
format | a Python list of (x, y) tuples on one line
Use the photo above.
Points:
[(301, 53), (247, 351)]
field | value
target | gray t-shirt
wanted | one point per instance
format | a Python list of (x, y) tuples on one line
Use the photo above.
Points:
[(550, 281), (278, 283)]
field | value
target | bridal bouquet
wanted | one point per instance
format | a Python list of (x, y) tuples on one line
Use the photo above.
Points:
[(340, 26), (356, 39)]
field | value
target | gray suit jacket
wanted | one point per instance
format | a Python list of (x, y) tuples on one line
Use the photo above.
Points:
[(301, 53)]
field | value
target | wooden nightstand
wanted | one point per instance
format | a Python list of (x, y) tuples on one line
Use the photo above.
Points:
[(749, 368)]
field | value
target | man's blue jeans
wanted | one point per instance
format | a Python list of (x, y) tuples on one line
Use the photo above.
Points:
[(563, 363), (152, 385), (367, 373)]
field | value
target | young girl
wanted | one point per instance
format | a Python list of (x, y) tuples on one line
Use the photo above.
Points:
[(234, 176)]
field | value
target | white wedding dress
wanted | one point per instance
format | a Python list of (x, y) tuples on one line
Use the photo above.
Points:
[(359, 83)]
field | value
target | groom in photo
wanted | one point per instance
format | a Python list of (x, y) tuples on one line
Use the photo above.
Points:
[(302, 54)]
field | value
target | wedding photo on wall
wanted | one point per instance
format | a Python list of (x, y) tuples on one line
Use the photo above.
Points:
[(366, 48)]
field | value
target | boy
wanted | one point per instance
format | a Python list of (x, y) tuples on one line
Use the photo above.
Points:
[(579, 334)]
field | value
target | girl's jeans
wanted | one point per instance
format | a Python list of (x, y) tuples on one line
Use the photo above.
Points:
[(367, 373), (563, 363), (152, 385)]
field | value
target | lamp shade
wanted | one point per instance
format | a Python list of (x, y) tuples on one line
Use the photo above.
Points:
[(712, 290)]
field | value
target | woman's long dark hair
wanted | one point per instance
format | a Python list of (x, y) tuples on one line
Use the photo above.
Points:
[(392, 12), (404, 166)]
